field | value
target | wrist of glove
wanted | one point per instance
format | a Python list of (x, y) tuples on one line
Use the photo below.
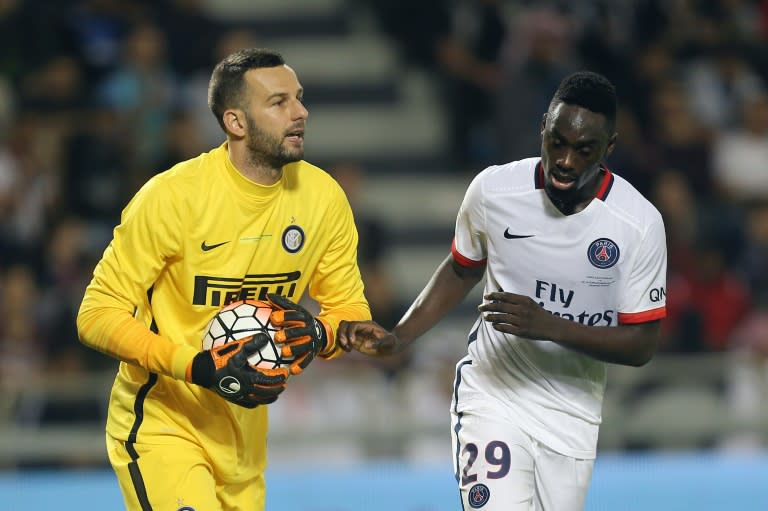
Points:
[(302, 335), (225, 370)]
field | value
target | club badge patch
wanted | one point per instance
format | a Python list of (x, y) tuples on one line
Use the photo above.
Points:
[(478, 495), (293, 238), (603, 253)]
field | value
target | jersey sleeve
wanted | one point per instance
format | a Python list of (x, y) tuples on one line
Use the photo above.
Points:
[(148, 235), (469, 246), (644, 296), (336, 284)]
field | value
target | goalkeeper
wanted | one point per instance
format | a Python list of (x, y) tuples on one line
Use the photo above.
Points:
[(187, 428)]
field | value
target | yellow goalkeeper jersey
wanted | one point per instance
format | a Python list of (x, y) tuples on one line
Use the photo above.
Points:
[(194, 238)]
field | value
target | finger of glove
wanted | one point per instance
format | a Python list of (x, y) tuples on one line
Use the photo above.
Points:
[(281, 373), (301, 363), (282, 302), (297, 348), (289, 318), (295, 334), (261, 377), (257, 342), (248, 347), (222, 355)]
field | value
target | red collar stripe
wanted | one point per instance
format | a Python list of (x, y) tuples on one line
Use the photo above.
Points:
[(602, 193), (538, 176), (605, 188)]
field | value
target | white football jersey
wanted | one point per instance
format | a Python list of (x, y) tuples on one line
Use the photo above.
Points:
[(603, 266)]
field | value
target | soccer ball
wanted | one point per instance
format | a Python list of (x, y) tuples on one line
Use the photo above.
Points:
[(246, 318)]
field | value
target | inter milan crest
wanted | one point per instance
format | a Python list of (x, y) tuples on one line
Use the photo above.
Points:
[(603, 253), (293, 238), (478, 495)]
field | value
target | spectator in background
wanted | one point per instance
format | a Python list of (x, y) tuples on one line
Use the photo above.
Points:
[(538, 52), (753, 263), (632, 156), (460, 42), (98, 29), (194, 87), (69, 254), (142, 90), (191, 33), (183, 141), (23, 352), (683, 217), (718, 83), (741, 153), (677, 139), (98, 174), (699, 235), (747, 384), (707, 301), (35, 188), (650, 65)]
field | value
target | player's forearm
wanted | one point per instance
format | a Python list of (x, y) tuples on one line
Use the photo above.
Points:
[(445, 290), (116, 333), (632, 345)]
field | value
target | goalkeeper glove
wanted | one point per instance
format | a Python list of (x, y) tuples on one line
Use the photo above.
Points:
[(225, 370), (303, 336)]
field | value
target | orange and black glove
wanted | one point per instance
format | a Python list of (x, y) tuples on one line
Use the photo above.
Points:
[(302, 335), (225, 370)]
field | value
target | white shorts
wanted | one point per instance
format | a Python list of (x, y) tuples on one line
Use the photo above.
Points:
[(500, 467)]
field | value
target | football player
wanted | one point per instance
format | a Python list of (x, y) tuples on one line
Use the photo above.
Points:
[(574, 259), (250, 219)]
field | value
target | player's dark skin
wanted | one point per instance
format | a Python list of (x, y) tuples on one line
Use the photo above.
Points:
[(574, 142)]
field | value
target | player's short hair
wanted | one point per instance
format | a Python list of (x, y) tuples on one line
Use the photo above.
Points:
[(589, 90), (227, 85)]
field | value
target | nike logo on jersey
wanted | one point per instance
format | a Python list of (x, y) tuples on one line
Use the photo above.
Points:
[(516, 236), (206, 248)]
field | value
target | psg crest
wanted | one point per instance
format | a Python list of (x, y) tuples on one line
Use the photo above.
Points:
[(603, 253), (478, 495)]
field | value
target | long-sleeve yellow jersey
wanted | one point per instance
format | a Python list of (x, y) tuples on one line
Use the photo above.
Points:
[(193, 239)]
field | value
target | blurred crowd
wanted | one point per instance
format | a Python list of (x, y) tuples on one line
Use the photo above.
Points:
[(98, 95)]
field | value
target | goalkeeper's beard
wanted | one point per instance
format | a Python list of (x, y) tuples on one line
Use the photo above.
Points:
[(267, 150)]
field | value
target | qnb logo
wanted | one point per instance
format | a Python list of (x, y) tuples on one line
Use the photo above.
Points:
[(657, 294), (219, 291), (603, 253)]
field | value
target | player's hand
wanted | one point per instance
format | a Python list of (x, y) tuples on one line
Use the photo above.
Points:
[(367, 337), (225, 370), (519, 315), (302, 335)]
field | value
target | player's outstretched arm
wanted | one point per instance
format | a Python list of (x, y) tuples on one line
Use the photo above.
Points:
[(302, 335), (367, 337), (447, 287), (225, 370)]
